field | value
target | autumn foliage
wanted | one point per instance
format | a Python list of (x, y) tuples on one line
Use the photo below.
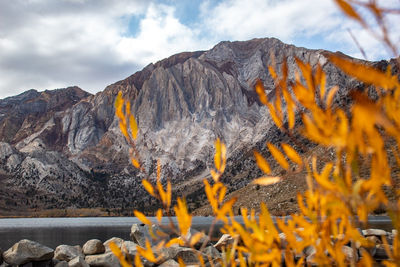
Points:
[(339, 197)]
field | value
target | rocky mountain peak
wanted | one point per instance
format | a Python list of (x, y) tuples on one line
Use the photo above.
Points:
[(182, 104)]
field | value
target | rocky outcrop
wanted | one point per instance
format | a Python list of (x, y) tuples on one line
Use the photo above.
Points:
[(182, 104), (27, 251), (93, 246)]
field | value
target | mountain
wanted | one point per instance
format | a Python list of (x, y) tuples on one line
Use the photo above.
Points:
[(63, 148)]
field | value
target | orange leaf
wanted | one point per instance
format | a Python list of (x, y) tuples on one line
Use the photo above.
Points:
[(292, 154), (195, 238), (149, 187), (366, 73), (159, 215), (262, 163), (142, 217), (169, 194), (217, 156), (133, 126), (349, 10), (147, 252), (138, 262), (118, 253), (277, 154), (261, 92), (275, 117), (135, 163), (291, 105), (267, 180), (330, 97)]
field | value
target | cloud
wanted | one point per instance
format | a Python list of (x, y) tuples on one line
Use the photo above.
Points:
[(54, 44), (49, 44), (317, 23)]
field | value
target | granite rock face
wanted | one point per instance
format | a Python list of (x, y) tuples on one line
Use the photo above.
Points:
[(182, 104)]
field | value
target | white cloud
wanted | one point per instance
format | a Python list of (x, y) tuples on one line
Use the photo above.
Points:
[(84, 43), (292, 21), (49, 44)]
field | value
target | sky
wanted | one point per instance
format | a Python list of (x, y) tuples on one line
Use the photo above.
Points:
[(49, 44)]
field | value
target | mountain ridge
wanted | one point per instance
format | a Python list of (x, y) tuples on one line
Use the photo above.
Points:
[(182, 104)]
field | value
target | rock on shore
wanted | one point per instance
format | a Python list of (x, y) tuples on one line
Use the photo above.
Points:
[(26, 253)]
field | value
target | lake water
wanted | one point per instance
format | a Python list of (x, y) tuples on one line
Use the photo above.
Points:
[(76, 231)]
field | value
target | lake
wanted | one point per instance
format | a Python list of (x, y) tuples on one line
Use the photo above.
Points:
[(76, 231)]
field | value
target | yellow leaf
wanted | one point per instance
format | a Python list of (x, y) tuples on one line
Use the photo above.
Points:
[(195, 238), (215, 175), (262, 163), (292, 154), (138, 262), (330, 97), (349, 10), (209, 193), (118, 253), (267, 180), (173, 241), (169, 194), (135, 163), (277, 154), (149, 188), (159, 215), (366, 73), (142, 217), (272, 72), (217, 156), (147, 252), (183, 216), (162, 193), (133, 126), (275, 117), (124, 130), (307, 74), (222, 193), (261, 92), (181, 262), (291, 105)]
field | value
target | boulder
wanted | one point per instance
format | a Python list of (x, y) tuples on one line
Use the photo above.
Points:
[(169, 263), (351, 255), (118, 241), (78, 262), (61, 264), (103, 260), (93, 246), (26, 251), (375, 232), (67, 253), (225, 240), (212, 252), (203, 239), (46, 263), (189, 256), (139, 234), (129, 248)]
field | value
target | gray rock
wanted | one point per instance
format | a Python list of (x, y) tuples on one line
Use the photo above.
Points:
[(26, 251), (78, 262), (139, 234), (169, 263), (61, 264), (67, 253), (93, 246), (212, 252), (189, 256), (103, 260), (129, 248), (116, 240), (5, 150), (225, 240), (203, 239), (351, 255), (376, 232)]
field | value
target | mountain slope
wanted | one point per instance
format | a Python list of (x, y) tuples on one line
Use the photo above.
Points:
[(182, 104)]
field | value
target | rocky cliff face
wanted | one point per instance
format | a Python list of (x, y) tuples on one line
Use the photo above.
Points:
[(67, 138)]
